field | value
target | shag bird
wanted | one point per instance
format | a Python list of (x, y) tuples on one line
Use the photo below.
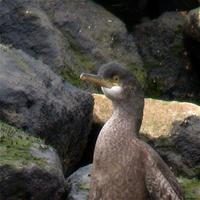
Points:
[(125, 167)]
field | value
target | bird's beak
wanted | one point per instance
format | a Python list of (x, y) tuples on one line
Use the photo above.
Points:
[(96, 80)]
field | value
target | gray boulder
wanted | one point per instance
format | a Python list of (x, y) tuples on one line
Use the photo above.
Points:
[(161, 45), (79, 184), (29, 169), (35, 99), (70, 36)]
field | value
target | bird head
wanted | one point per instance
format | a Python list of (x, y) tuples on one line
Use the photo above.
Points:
[(116, 82)]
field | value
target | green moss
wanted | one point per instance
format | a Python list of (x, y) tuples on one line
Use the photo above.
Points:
[(153, 89), (165, 142), (70, 76), (84, 186), (149, 66), (197, 171), (82, 62), (177, 50), (15, 147), (139, 73), (21, 63), (191, 188)]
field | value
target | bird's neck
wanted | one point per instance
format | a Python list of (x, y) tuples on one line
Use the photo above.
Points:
[(125, 113)]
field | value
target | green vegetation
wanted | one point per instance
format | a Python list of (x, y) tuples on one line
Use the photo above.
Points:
[(177, 50), (191, 188), (21, 62), (15, 147), (82, 62), (153, 89), (139, 73), (70, 76), (84, 186), (148, 66)]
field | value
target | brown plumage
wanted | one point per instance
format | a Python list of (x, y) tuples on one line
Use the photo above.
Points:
[(124, 167)]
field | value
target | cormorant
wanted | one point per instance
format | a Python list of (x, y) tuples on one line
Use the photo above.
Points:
[(125, 167)]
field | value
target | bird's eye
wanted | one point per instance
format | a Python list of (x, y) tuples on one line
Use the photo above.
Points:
[(116, 78)]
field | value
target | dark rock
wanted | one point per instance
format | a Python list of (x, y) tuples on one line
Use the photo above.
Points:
[(133, 11), (192, 40), (95, 36), (129, 11), (35, 99), (29, 183), (181, 150), (24, 25), (29, 169), (186, 137), (79, 184), (160, 43), (70, 36), (176, 5)]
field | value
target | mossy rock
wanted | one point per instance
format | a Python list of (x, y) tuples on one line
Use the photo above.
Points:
[(19, 149), (26, 161), (191, 188), (15, 147)]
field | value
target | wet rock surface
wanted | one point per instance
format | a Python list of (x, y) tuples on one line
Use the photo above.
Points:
[(35, 99)]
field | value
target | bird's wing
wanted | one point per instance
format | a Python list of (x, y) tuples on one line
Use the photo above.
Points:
[(160, 181)]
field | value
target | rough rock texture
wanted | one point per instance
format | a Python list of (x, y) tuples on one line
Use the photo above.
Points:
[(164, 133), (70, 36), (186, 136), (24, 25), (161, 46), (35, 99), (79, 184), (29, 169)]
